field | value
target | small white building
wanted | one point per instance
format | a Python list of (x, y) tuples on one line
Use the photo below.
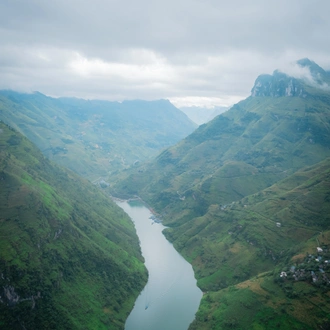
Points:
[(319, 249)]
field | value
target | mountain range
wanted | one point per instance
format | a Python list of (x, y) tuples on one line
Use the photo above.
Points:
[(247, 195), (94, 138)]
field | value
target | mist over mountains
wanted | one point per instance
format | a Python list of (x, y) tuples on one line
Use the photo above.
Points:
[(307, 76), (201, 115)]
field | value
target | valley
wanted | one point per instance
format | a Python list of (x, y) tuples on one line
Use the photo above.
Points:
[(245, 199), (246, 196), (94, 138)]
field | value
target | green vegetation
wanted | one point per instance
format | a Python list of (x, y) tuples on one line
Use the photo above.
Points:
[(245, 197), (69, 257), (251, 236), (298, 300), (258, 142), (94, 138)]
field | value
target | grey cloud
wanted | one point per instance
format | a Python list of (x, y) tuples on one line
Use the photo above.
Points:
[(152, 49), (170, 26)]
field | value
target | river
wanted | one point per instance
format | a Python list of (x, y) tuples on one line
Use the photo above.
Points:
[(171, 298)]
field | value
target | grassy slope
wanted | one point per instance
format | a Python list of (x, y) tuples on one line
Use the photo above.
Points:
[(229, 247), (68, 252), (268, 301), (253, 145), (244, 237), (93, 138), (223, 189)]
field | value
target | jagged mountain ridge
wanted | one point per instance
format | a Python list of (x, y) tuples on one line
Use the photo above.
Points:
[(278, 84), (281, 84)]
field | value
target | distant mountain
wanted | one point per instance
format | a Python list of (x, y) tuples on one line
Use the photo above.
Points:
[(69, 257), (242, 203), (94, 138), (201, 115)]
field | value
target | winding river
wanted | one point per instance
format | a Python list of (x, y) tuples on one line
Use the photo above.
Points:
[(171, 298)]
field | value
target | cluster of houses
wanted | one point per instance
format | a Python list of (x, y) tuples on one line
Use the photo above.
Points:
[(315, 268)]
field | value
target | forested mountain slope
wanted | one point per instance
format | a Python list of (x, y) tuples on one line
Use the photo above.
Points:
[(257, 142), (247, 196), (94, 138), (69, 257)]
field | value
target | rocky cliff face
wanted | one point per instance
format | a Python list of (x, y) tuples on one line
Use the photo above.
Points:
[(278, 84), (10, 297)]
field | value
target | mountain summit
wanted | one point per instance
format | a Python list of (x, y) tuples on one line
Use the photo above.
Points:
[(307, 74), (277, 85), (319, 74)]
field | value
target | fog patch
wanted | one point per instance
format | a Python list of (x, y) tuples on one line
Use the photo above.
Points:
[(304, 73)]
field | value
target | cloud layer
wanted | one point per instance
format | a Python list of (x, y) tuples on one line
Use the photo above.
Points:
[(192, 52)]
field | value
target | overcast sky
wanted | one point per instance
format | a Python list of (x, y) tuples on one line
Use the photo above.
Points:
[(193, 52)]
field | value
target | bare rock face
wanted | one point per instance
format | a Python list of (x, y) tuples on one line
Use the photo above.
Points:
[(277, 85), (10, 297)]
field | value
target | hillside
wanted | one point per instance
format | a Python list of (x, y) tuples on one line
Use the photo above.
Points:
[(247, 195), (251, 146), (94, 138), (240, 253), (69, 257)]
